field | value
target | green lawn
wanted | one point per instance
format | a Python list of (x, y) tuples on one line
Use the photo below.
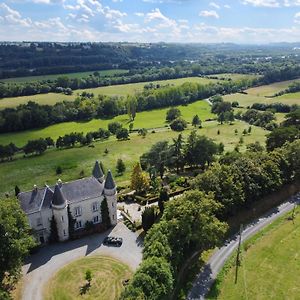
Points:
[(235, 76), (270, 267), (70, 75), (25, 172), (258, 95), (108, 275), (147, 119), (270, 89), (113, 90)]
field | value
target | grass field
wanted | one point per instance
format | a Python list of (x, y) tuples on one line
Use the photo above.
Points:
[(108, 275), (25, 172), (258, 95), (147, 119), (70, 75), (270, 266), (113, 90), (235, 76)]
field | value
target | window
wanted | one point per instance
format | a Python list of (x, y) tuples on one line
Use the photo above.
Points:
[(78, 225), (65, 233), (112, 204), (113, 217), (38, 221), (78, 211), (96, 220), (95, 206), (62, 218)]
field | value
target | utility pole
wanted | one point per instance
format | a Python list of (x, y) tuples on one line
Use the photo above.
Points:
[(238, 262)]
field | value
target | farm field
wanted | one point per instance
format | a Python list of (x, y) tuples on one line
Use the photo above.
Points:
[(147, 119), (113, 90), (235, 76), (25, 172), (70, 75), (107, 273), (270, 266), (258, 95)]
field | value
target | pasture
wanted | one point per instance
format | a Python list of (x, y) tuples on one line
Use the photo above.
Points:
[(113, 90), (106, 283), (70, 75), (261, 95), (25, 172), (146, 119), (270, 265)]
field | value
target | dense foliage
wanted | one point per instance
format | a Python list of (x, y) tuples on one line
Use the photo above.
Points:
[(15, 241), (166, 247), (86, 106)]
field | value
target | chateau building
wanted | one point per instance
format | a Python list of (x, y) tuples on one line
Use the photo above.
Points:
[(82, 198)]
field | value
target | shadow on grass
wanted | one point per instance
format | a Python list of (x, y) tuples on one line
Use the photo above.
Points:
[(85, 288)]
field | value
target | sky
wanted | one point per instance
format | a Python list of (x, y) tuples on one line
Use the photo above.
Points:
[(196, 21)]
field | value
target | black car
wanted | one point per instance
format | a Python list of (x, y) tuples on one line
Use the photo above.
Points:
[(113, 241)]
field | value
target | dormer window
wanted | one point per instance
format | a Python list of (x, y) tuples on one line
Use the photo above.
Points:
[(38, 221)]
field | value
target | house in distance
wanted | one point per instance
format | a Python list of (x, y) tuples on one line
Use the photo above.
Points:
[(82, 198)]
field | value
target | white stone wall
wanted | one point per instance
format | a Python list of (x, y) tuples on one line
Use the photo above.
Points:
[(61, 217), (87, 213), (112, 208)]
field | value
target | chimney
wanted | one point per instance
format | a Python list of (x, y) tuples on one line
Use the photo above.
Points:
[(59, 182)]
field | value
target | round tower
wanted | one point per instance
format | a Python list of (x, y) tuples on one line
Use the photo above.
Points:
[(60, 212), (98, 172), (110, 192)]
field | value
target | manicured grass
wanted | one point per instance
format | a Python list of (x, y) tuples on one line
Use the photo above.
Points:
[(107, 272), (25, 172), (148, 119), (270, 265), (113, 90), (70, 75)]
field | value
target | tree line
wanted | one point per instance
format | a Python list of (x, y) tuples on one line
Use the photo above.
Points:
[(39, 146), (86, 106), (228, 185)]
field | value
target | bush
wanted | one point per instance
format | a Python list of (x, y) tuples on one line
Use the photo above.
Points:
[(58, 170), (178, 125)]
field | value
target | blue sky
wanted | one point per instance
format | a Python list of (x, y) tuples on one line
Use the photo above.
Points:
[(239, 21)]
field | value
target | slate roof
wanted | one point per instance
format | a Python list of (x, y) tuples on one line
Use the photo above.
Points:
[(109, 181), (58, 197), (97, 171), (31, 201), (74, 191)]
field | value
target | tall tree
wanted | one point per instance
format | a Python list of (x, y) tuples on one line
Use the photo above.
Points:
[(131, 104), (15, 239), (53, 237), (105, 213), (148, 218), (196, 121)]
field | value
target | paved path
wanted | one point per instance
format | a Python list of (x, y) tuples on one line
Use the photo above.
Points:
[(206, 278), (43, 265)]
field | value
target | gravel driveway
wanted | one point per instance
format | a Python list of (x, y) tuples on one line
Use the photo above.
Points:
[(44, 264)]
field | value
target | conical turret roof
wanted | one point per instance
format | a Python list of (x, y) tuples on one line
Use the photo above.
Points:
[(97, 171), (58, 197), (109, 181)]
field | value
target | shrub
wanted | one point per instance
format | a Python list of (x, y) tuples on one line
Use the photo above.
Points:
[(178, 125)]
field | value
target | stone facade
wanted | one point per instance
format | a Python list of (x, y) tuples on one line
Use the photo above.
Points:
[(81, 197)]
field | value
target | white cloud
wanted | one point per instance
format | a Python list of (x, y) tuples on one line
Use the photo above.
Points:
[(209, 14), (214, 5), (227, 6), (139, 14), (297, 18), (262, 3), (289, 3)]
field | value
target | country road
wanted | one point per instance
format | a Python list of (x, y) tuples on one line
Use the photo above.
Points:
[(205, 279)]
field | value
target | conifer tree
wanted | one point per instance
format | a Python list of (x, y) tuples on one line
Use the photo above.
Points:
[(53, 238), (105, 213)]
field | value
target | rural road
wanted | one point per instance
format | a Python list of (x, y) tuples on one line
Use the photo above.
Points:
[(205, 279), (44, 264)]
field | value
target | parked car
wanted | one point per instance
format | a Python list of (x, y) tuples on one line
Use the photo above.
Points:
[(113, 241)]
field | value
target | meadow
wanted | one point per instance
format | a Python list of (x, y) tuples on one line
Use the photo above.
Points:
[(113, 90), (146, 119), (70, 75), (270, 265), (260, 95), (25, 172), (107, 273)]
